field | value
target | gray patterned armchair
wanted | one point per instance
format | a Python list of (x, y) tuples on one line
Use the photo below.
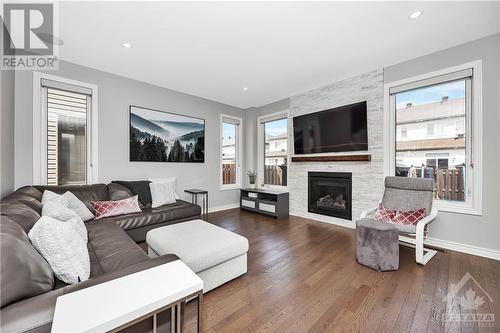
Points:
[(408, 194)]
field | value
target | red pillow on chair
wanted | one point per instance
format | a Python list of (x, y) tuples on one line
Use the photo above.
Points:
[(410, 217), (384, 214)]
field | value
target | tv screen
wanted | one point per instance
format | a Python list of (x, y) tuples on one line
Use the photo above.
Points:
[(333, 130)]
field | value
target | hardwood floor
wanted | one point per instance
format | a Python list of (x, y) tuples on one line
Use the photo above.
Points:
[(303, 277)]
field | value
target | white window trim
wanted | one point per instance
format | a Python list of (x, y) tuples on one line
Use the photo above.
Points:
[(475, 141), (239, 154), (260, 148), (40, 129)]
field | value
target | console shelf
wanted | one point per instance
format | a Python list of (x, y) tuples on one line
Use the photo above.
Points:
[(268, 202)]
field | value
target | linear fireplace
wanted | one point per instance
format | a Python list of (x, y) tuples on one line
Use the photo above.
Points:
[(329, 193)]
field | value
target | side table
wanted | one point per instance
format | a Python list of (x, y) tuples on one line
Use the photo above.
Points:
[(204, 200), (117, 304)]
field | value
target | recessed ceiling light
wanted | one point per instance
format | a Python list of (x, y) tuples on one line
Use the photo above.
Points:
[(127, 45), (245, 88), (414, 15)]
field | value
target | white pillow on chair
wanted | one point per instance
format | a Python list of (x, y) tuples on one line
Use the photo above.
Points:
[(63, 248)]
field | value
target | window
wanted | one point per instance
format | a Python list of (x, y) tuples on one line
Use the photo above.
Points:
[(440, 115), (430, 129), (273, 149), (64, 137), (230, 152)]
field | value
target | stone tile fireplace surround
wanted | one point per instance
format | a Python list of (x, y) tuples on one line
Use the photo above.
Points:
[(367, 177)]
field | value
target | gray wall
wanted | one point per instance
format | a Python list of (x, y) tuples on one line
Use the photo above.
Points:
[(116, 93), (7, 131), (482, 231)]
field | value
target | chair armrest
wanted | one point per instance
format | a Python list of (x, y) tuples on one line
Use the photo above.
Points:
[(365, 213), (429, 218), (426, 220)]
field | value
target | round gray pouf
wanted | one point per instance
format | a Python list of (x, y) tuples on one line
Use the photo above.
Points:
[(377, 245)]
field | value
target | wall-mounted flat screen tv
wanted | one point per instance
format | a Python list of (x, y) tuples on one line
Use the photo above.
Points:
[(334, 130)]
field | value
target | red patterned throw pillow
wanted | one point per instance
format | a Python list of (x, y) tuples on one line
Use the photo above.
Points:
[(384, 214), (114, 208), (410, 217)]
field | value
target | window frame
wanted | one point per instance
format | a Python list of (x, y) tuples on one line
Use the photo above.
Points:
[(261, 150), (238, 154), (40, 128), (474, 139)]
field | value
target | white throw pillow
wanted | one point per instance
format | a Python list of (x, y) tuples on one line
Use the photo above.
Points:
[(63, 248), (49, 196), (162, 194), (57, 209), (78, 206), (71, 201), (171, 180)]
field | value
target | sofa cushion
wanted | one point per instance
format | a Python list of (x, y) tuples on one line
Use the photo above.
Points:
[(112, 247), (177, 210), (86, 193), (138, 187), (115, 208), (23, 273), (63, 248), (20, 213), (117, 192)]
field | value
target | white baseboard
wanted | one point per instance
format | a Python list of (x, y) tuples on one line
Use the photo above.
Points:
[(327, 219), (464, 248), (223, 207), (440, 243)]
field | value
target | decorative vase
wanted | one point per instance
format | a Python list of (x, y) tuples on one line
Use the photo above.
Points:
[(252, 186)]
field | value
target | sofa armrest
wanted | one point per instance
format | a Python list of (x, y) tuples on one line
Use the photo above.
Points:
[(35, 314)]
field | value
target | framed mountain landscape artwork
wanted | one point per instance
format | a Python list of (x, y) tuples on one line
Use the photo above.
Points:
[(157, 136)]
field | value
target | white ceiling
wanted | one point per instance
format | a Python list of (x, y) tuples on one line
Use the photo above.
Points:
[(276, 49)]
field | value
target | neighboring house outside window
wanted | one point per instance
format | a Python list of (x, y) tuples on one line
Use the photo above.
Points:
[(436, 120), (65, 131), (230, 152), (273, 150)]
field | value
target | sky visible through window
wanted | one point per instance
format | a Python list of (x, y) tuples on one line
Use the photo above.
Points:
[(276, 127), (454, 90), (228, 130)]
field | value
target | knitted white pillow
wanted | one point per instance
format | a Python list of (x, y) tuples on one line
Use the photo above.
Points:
[(171, 180), (162, 194), (49, 196), (78, 206), (57, 209), (69, 200), (63, 248)]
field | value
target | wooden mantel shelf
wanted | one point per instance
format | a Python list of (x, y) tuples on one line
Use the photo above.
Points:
[(333, 158)]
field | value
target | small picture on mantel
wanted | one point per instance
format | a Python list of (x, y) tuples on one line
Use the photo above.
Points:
[(157, 136)]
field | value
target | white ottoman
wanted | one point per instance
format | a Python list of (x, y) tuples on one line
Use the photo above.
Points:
[(217, 255)]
